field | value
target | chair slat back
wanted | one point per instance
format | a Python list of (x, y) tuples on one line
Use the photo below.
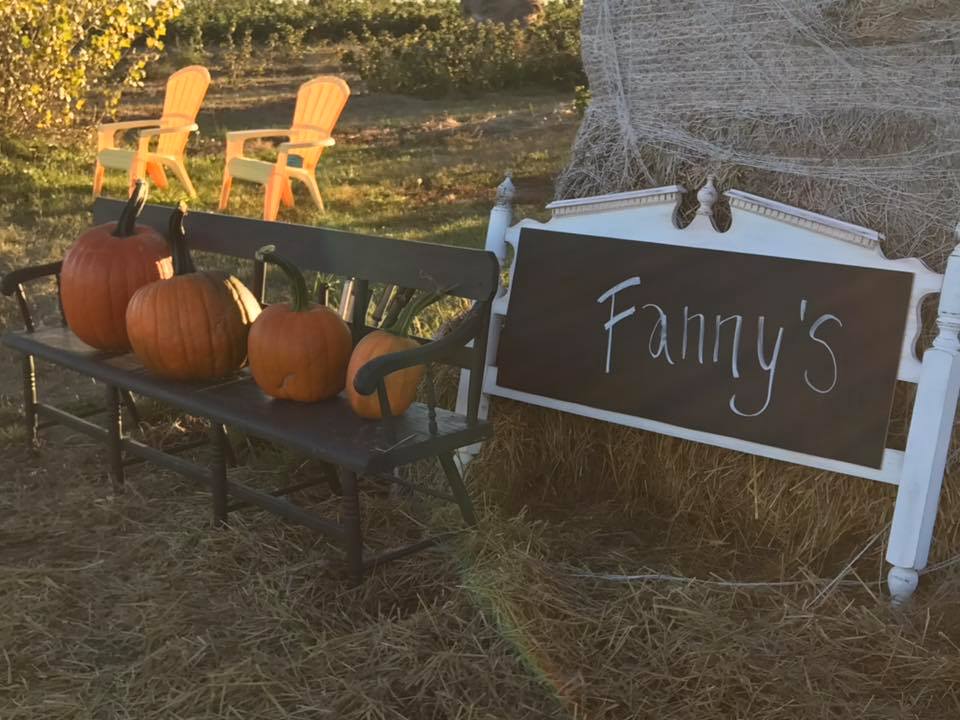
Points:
[(186, 89), (319, 104)]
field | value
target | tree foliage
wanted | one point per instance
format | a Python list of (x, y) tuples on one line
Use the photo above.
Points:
[(62, 59)]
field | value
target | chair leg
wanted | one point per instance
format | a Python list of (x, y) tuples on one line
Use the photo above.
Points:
[(218, 486), (98, 172), (114, 435), (30, 400), (138, 169), (156, 174), (225, 190), (455, 480), (180, 171), (311, 183), (351, 523), (271, 196), (287, 196)]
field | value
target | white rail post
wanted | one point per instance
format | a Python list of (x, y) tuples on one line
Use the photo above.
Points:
[(501, 217), (931, 428)]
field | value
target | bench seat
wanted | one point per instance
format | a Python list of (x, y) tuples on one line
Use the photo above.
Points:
[(328, 431)]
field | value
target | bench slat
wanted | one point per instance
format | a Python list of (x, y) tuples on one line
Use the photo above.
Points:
[(327, 430), (463, 272)]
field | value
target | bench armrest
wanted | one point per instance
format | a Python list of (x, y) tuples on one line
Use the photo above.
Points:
[(12, 284), (372, 374)]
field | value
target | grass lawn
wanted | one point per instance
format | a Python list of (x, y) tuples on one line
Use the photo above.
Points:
[(131, 607)]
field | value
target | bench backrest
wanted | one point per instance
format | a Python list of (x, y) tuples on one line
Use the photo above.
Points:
[(461, 272), (365, 259)]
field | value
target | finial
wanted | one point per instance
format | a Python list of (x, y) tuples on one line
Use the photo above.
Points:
[(506, 191), (707, 196)]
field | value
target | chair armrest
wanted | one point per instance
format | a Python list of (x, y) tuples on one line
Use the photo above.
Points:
[(237, 139), (322, 142), (370, 375), (127, 125), (192, 127), (146, 135), (285, 148), (251, 134), (107, 132), (12, 279)]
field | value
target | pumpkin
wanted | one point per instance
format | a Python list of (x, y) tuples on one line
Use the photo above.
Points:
[(102, 270), (193, 326), (298, 351), (401, 385)]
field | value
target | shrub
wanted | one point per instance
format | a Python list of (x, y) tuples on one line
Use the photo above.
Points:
[(462, 55), (55, 53)]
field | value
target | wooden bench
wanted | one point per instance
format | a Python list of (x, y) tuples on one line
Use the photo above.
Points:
[(327, 431)]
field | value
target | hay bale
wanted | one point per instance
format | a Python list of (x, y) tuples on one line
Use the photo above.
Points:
[(845, 108)]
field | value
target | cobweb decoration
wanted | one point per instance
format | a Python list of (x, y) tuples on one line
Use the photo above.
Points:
[(850, 108)]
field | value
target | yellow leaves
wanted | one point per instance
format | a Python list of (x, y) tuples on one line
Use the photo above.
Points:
[(53, 52)]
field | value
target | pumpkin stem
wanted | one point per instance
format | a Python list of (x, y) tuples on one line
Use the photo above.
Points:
[(412, 309), (126, 225), (177, 239), (300, 300)]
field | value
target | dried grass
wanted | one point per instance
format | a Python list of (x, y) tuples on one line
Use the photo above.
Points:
[(131, 606)]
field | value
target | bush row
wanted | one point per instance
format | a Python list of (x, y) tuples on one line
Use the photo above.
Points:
[(215, 22), (464, 56)]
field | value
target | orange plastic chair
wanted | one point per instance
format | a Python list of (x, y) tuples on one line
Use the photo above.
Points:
[(319, 104), (186, 89)]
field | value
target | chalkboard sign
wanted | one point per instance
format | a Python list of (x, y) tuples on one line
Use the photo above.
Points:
[(794, 354)]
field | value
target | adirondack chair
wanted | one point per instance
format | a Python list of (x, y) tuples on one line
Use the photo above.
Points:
[(319, 104), (186, 89)]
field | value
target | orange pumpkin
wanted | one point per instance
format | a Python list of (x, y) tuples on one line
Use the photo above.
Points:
[(195, 325), (401, 385), (298, 351), (102, 270)]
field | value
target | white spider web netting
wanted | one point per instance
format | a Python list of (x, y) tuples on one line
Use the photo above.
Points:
[(850, 108)]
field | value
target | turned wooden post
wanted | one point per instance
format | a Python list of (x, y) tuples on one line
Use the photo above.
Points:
[(501, 216), (931, 429)]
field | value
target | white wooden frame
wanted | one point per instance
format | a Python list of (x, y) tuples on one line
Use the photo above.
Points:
[(766, 227)]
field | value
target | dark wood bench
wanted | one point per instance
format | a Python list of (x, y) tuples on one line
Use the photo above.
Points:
[(328, 431)]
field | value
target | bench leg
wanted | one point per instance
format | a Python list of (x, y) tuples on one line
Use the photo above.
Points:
[(351, 523), (455, 480), (126, 397), (114, 434), (30, 400), (218, 485), (229, 453)]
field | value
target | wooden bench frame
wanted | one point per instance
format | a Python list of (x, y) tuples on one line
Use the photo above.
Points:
[(358, 448)]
